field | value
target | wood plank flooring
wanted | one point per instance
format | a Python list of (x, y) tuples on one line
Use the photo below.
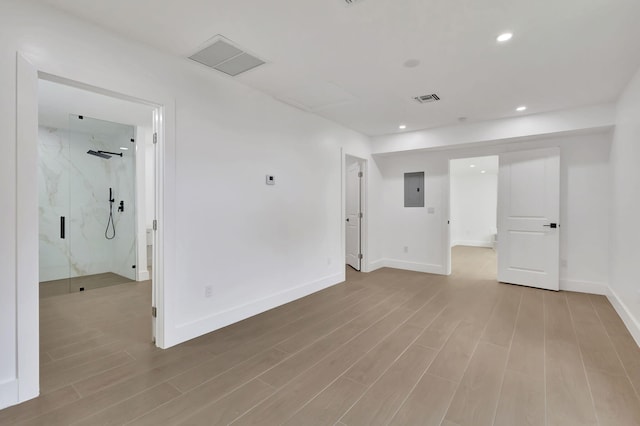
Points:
[(389, 347), (84, 283)]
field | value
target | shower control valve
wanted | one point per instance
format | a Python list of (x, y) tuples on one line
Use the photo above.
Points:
[(121, 207)]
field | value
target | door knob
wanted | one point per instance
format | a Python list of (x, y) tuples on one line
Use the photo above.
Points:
[(347, 219)]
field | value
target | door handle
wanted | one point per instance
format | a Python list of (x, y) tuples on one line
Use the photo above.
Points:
[(62, 227), (551, 225)]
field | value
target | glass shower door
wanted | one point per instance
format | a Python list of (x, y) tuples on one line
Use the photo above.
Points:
[(101, 225), (53, 207)]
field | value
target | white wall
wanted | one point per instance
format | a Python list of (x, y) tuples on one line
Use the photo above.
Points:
[(258, 246), (625, 208), (149, 176), (584, 207), (474, 201)]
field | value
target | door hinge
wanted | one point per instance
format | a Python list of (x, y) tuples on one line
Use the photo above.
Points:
[(360, 256), (360, 215), (154, 311), (360, 174), (155, 138), (155, 225)]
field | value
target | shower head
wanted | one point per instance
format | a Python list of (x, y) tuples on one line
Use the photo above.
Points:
[(98, 154), (110, 153)]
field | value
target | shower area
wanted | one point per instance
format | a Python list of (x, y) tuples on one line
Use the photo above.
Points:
[(87, 217)]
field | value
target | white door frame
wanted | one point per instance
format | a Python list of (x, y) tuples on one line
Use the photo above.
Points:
[(27, 240), (353, 164), (364, 224)]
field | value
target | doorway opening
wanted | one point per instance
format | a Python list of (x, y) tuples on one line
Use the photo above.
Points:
[(473, 216), (354, 212), (96, 204)]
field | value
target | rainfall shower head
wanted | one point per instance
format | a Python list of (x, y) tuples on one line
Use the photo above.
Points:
[(98, 154), (104, 154)]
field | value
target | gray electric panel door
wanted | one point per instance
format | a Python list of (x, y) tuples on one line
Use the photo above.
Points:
[(414, 189)]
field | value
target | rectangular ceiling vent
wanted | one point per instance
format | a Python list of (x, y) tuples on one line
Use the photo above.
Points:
[(351, 2), (424, 99), (224, 56)]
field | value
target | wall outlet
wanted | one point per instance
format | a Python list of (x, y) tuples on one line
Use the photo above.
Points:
[(406, 249), (329, 261), (208, 291), (431, 210), (563, 263)]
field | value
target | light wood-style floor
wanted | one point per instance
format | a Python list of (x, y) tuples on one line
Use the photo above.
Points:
[(84, 283), (389, 347)]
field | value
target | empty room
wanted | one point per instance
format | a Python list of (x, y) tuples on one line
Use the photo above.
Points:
[(331, 212)]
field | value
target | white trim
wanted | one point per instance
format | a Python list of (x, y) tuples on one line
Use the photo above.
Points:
[(627, 317), (376, 264), (365, 265), (27, 239), (472, 243), (207, 324), (583, 286), (143, 275), (411, 266), (8, 393)]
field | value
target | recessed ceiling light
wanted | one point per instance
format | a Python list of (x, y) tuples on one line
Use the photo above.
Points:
[(504, 37), (483, 171), (472, 165), (402, 126), (123, 148), (521, 108)]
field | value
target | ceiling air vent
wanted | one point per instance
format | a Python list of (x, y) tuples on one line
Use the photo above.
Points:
[(224, 56), (351, 2), (427, 98)]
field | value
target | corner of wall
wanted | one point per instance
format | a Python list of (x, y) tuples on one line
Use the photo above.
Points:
[(627, 317)]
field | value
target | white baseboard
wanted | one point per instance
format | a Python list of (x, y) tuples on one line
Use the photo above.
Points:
[(629, 320), (377, 264), (210, 323), (8, 393), (472, 243), (410, 266), (143, 275), (584, 286)]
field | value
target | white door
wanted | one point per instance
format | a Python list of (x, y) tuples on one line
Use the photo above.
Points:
[(528, 213), (353, 188)]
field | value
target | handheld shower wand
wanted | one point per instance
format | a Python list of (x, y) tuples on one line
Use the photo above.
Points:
[(110, 223)]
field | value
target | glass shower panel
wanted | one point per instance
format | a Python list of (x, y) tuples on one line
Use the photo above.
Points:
[(53, 194), (101, 227)]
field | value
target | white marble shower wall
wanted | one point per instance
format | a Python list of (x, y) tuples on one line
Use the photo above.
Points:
[(76, 185)]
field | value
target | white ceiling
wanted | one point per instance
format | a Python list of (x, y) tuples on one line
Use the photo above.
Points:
[(346, 62), (474, 166)]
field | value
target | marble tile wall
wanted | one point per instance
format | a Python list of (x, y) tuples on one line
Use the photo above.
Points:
[(76, 185)]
